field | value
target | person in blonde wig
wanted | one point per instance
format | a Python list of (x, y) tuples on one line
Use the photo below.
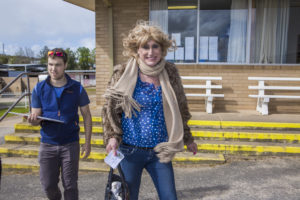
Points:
[(145, 114)]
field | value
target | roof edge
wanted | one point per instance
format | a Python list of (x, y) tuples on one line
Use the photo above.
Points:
[(87, 4)]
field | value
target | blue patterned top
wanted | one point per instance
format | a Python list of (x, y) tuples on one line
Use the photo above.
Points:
[(148, 128)]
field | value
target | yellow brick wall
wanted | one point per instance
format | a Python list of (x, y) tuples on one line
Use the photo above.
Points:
[(102, 50), (16, 87), (125, 15), (235, 77), (235, 86), (20, 85)]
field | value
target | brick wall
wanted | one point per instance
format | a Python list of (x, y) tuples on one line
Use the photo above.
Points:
[(102, 50), (16, 87), (235, 87), (235, 77), (125, 15), (20, 85)]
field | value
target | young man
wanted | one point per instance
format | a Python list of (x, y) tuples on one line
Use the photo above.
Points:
[(58, 97)]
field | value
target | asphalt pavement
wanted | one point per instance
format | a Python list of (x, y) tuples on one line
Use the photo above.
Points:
[(249, 178), (271, 178)]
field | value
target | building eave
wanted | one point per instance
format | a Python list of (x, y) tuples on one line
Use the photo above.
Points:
[(87, 4)]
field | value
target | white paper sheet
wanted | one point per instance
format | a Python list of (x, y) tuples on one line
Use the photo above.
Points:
[(203, 48), (113, 160), (189, 48), (213, 48), (179, 53), (177, 38)]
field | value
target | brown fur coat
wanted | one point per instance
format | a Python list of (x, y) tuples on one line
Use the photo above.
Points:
[(112, 116)]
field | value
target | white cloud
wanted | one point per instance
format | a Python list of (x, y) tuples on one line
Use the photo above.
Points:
[(36, 48), (87, 42), (11, 49), (33, 23)]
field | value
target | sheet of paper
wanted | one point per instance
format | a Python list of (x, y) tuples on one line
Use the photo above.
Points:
[(179, 53), (113, 160), (177, 38), (203, 50), (213, 48), (39, 117), (189, 48)]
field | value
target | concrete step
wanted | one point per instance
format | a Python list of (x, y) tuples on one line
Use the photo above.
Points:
[(195, 125), (230, 124), (263, 136), (94, 119), (31, 150), (98, 154), (248, 148), (26, 127), (243, 125), (35, 138), (31, 164), (211, 146)]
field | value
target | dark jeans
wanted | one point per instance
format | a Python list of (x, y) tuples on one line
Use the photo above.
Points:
[(135, 160), (56, 158)]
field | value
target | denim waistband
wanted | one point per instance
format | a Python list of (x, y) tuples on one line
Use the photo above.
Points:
[(143, 148)]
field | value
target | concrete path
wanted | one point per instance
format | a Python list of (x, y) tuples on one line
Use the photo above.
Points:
[(7, 126), (251, 116), (252, 179)]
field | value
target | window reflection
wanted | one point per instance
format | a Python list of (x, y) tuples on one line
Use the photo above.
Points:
[(223, 30), (182, 27)]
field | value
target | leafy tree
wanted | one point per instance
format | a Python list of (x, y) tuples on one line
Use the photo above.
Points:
[(12, 60), (3, 59), (44, 55), (84, 59), (93, 56), (72, 64), (19, 59), (29, 52)]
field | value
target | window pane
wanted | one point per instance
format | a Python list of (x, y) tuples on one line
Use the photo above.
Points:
[(214, 24), (223, 30), (182, 27), (276, 28), (293, 43)]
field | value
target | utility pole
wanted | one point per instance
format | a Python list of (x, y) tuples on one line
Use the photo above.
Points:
[(3, 48)]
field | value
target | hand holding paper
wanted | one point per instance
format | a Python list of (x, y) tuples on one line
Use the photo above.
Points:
[(112, 160)]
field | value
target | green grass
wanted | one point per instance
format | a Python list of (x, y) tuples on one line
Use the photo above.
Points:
[(18, 110)]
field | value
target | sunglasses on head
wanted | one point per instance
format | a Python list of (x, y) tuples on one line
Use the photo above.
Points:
[(56, 53)]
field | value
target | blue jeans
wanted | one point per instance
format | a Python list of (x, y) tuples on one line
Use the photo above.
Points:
[(162, 174)]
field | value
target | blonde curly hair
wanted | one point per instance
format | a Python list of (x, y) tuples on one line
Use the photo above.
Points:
[(143, 32)]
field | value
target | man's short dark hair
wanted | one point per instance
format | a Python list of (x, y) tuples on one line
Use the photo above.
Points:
[(58, 53)]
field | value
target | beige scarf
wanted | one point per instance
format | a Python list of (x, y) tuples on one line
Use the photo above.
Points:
[(122, 92)]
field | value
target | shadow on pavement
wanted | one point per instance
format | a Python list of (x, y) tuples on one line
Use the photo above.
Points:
[(200, 192)]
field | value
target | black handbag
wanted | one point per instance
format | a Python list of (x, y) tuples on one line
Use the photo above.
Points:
[(123, 190)]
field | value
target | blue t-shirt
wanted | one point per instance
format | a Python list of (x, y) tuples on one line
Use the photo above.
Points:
[(148, 128), (58, 91), (84, 99)]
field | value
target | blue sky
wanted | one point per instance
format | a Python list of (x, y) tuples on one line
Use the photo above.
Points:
[(36, 23)]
